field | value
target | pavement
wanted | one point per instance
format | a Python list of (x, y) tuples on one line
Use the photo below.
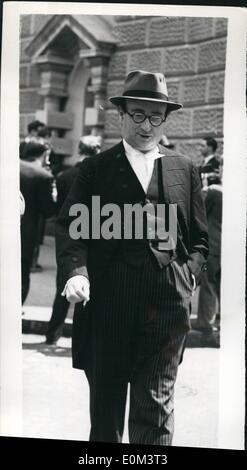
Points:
[(56, 396)]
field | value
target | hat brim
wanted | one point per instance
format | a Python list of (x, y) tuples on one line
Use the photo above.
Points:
[(172, 106)]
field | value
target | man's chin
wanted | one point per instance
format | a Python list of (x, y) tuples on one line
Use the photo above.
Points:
[(146, 145)]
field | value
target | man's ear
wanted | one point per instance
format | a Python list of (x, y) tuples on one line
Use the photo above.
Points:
[(121, 113), (167, 112)]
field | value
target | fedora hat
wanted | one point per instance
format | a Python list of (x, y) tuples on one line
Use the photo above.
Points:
[(146, 86)]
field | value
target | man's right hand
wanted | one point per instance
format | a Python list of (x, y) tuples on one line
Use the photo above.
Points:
[(77, 289)]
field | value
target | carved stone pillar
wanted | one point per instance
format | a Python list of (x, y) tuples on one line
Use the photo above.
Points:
[(94, 117), (54, 71)]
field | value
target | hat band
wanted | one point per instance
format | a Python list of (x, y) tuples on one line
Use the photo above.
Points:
[(146, 94)]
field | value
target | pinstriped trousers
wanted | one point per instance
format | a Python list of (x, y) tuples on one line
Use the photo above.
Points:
[(140, 318)]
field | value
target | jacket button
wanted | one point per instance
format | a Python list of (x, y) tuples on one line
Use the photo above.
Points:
[(125, 186), (118, 155), (74, 258), (121, 169)]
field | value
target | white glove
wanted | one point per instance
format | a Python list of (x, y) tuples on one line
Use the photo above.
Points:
[(76, 289)]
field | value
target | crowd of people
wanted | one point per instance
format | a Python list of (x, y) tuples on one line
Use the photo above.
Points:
[(42, 193), (132, 297)]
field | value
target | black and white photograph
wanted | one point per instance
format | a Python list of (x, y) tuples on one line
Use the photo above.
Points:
[(123, 205)]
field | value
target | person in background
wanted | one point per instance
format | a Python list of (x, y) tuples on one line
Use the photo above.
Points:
[(43, 138), (38, 133), (133, 295), (88, 146), (33, 128), (36, 188), (209, 169), (209, 294)]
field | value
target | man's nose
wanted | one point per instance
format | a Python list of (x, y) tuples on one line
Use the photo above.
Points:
[(146, 125)]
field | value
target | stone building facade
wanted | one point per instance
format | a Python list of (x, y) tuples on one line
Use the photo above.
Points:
[(71, 64)]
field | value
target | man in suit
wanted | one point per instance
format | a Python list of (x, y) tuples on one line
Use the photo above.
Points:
[(209, 295), (209, 169), (38, 133), (133, 296), (36, 188), (33, 128)]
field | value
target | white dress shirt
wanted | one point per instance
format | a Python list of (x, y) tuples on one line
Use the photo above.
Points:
[(142, 163)]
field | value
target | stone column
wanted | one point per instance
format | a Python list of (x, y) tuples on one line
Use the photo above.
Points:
[(95, 117), (54, 72)]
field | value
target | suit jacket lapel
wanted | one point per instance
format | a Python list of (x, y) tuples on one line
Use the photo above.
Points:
[(172, 175), (164, 165), (122, 184)]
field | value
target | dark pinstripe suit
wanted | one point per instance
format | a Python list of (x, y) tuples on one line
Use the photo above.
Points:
[(134, 327)]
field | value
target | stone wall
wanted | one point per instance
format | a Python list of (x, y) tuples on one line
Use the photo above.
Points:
[(191, 52), (30, 100)]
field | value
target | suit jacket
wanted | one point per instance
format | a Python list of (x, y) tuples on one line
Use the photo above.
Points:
[(103, 175), (64, 183), (35, 185), (213, 202), (211, 169)]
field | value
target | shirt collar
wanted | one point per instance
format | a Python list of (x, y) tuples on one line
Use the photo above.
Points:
[(131, 151), (208, 158)]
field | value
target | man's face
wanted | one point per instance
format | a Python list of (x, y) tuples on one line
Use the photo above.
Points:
[(142, 136), (205, 149), (40, 129), (33, 133)]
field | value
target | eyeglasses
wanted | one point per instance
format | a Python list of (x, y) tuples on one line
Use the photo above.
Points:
[(139, 117)]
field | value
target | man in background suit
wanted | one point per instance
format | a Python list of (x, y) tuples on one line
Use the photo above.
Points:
[(36, 188), (209, 295), (33, 130), (133, 295), (209, 169)]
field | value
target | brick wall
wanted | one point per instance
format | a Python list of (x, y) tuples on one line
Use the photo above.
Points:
[(30, 100), (191, 53)]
